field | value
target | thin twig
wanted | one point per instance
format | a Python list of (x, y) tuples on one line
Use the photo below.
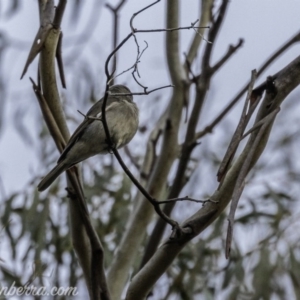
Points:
[(212, 34), (231, 50), (138, 53), (138, 12), (169, 29), (134, 67), (133, 159), (136, 70), (201, 35), (142, 93), (186, 198), (153, 201), (115, 11)]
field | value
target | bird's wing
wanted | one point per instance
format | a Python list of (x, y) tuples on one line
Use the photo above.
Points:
[(94, 111)]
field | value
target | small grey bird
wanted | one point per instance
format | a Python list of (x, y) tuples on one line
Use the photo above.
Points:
[(89, 138)]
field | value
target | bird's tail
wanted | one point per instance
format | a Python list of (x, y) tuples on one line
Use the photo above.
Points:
[(51, 176)]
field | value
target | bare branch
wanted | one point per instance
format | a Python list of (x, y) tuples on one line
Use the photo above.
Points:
[(152, 200), (59, 12), (204, 20), (231, 50), (133, 160), (192, 26), (138, 12), (60, 61), (136, 70), (115, 11), (209, 128), (46, 17), (46, 11), (240, 182), (118, 6), (212, 35), (186, 198), (142, 93), (134, 66), (237, 136)]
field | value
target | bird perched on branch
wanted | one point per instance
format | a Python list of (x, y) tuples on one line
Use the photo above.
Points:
[(89, 139)]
